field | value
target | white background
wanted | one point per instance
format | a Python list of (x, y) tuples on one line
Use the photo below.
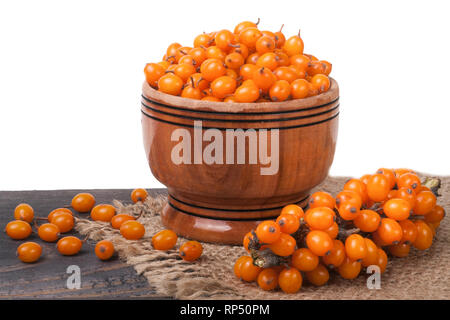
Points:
[(71, 75)]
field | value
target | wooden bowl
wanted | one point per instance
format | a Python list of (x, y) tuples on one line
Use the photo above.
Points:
[(222, 202)]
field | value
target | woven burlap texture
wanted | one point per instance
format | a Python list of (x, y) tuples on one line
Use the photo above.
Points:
[(422, 275)]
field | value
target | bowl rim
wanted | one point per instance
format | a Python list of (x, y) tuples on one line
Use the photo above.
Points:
[(167, 100)]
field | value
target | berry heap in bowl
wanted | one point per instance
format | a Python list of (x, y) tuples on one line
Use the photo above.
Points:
[(244, 65)]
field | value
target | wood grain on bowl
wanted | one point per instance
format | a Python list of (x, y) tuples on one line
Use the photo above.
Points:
[(220, 202)]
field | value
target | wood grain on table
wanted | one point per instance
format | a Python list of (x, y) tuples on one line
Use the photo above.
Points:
[(47, 278)]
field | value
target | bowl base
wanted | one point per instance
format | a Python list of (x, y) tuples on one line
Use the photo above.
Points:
[(188, 224)]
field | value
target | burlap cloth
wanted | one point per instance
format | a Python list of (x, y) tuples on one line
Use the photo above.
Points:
[(422, 275)]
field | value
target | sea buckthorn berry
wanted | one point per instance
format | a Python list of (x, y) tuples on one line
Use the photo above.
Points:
[(285, 73), (18, 229), (244, 25), (349, 196), (234, 60), (328, 67), (359, 187), (83, 202), (333, 231), (172, 49), (103, 212), (283, 59), (69, 246), (320, 218), (268, 279), (355, 247), (184, 71), (214, 52), (132, 230), (321, 199), (290, 280), (252, 58), (435, 215), (248, 271), (316, 67), (249, 36), (288, 223), (348, 211), (304, 260), (198, 55), (263, 78), (397, 209), (29, 252), (280, 39), (237, 265), (293, 209), (424, 237), (299, 60), (139, 195), (104, 250), (170, 84), (377, 240), (294, 45), (349, 269), (48, 232), (268, 60), (181, 52), (371, 257), (212, 69), (164, 240), (408, 180), (247, 93), (268, 231), (57, 211), (390, 231), (211, 98), (378, 187), (280, 91), (365, 178), (389, 174), (320, 82), (336, 256), (198, 81), (24, 212), (165, 64), (425, 202), (223, 39), (191, 92), (202, 40), (265, 44), (284, 246), (382, 260), (319, 276), (247, 71), (191, 250), (299, 89), (153, 72), (241, 49), (64, 221), (119, 219), (319, 242), (406, 194), (400, 250), (229, 99), (433, 227), (223, 86), (409, 231), (367, 221)]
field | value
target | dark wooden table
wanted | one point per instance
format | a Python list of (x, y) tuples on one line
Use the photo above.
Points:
[(47, 278)]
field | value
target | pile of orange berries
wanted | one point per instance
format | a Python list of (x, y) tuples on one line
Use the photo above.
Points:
[(247, 65), (61, 220), (388, 212)]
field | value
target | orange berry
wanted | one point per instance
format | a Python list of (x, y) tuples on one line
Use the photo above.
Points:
[(29, 252), (237, 265), (290, 280), (249, 36), (371, 257), (389, 174), (265, 44), (425, 202), (234, 60), (319, 276), (397, 209), (284, 246), (191, 250), (164, 240), (424, 237), (408, 180), (409, 231), (435, 215), (64, 221), (170, 84), (320, 218), (24, 212), (294, 45), (382, 260), (400, 250), (57, 212), (378, 187), (348, 211), (139, 195), (390, 231), (355, 247), (103, 212), (304, 260), (320, 82), (69, 246), (299, 89), (367, 221), (83, 202), (337, 254), (247, 93), (294, 210), (333, 231), (280, 90), (104, 250), (132, 230), (248, 271), (264, 78), (268, 279), (119, 219), (359, 187), (288, 223), (349, 269), (223, 86), (153, 72), (321, 199), (319, 242), (48, 232)]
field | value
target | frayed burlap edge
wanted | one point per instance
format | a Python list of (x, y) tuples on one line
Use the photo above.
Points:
[(423, 275)]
